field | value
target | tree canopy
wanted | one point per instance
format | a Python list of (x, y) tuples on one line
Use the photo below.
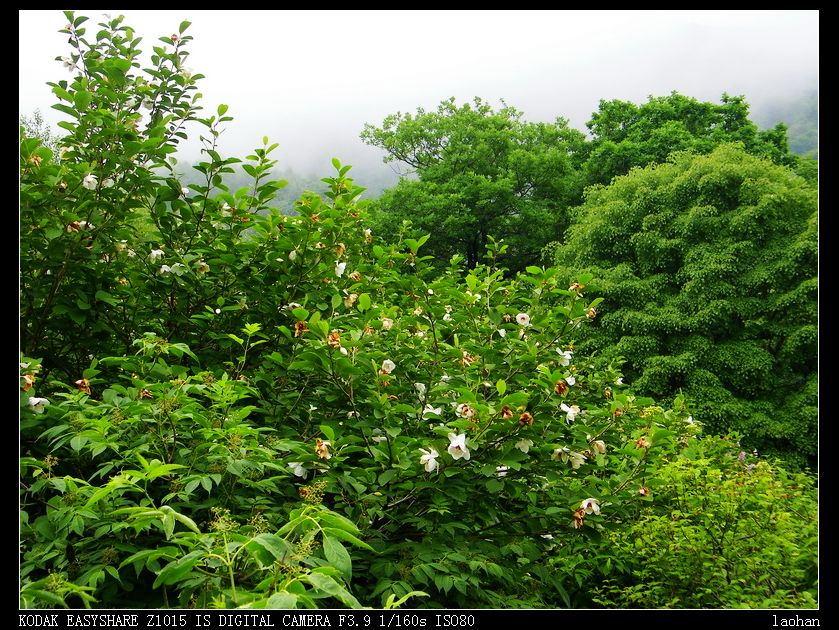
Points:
[(479, 173), (708, 268)]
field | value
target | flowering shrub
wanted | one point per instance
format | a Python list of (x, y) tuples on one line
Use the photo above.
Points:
[(232, 407)]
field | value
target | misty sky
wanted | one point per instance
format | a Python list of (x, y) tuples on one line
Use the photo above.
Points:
[(311, 79)]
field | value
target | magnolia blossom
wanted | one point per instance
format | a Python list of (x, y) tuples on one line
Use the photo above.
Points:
[(429, 459), (155, 254), (339, 268), (599, 446), (298, 470), (131, 103), (202, 267), (421, 389), (387, 323), (501, 471), (619, 380), (429, 410), (447, 317), (165, 269), (185, 191), (69, 64), (378, 436), (388, 366), (570, 412), (465, 411), (292, 255), (368, 235), (37, 404), (523, 319), (89, 181), (524, 445), (107, 182), (322, 448), (148, 103), (547, 536), (564, 357), (457, 446), (570, 380), (591, 506), (566, 455)]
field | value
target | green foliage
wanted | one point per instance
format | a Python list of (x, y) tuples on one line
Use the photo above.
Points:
[(223, 405), (626, 135), (726, 531), (708, 267), (481, 173)]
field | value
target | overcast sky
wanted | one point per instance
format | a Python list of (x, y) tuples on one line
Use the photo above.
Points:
[(311, 79)]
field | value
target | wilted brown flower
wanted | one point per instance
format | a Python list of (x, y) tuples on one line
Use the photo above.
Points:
[(561, 387), (300, 327), (83, 385), (526, 419)]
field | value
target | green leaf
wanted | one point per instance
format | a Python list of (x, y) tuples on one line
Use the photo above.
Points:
[(82, 100), (364, 302), (501, 387), (345, 535), (300, 313), (185, 25), (337, 556)]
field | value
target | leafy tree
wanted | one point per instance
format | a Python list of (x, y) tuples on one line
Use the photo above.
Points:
[(480, 173), (708, 265), (626, 135)]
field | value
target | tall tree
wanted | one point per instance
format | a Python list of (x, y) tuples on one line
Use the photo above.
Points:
[(708, 268), (478, 173)]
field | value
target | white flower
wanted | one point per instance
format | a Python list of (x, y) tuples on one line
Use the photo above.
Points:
[(155, 254), (387, 323), (565, 357), (218, 311), (165, 269), (619, 380), (377, 436), (428, 410), (298, 470), (131, 103), (690, 420), (69, 64), (429, 459), (368, 233), (89, 182), (566, 455), (431, 292), (107, 182), (312, 408), (388, 366), (339, 268), (37, 404), (465, 411), (421, 389), (292, 255), (344, 351), (599, 446), (501, 471), (591, 506), (524, 445), (148, 103), (186, 73), (445, 378), (447, 317), (547, 536), (457, 446), (502, 332), (570, 412), (185, 191), (202, 267), (570, 380), (523, 319)]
